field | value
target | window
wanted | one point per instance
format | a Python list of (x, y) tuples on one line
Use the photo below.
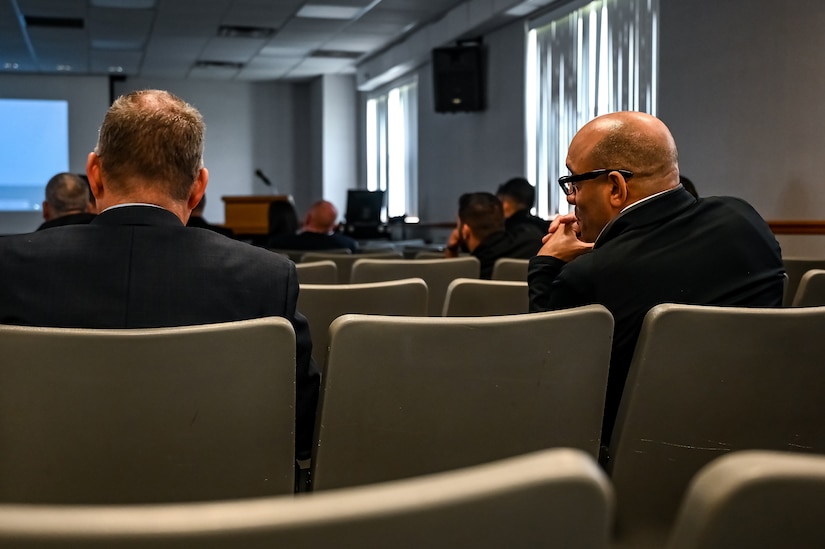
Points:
[(598, 59), (392, 148)]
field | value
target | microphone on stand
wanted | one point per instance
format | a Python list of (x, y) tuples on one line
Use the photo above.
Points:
[(263, 178)]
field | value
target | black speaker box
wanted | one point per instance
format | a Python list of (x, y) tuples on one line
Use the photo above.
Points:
[(458, 78)]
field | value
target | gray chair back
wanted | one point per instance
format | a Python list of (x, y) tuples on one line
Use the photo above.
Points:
[(317, 272), (437, 273), (795, 268), (754, 499), (475, 297), (344, 262), (554, 498), (811, 289), (405, 396), (705, 381), (147, 415), (508, 268), (429, 254), (323, 303)]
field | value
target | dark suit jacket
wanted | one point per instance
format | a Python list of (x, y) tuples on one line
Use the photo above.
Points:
[(70, 219), (670, 249), (201, 223), (519, 242), (139, 267)]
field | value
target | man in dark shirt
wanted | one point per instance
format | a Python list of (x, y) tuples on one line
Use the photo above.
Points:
[(517, 196), (68, 202), (481, 229), (637, 238), (318, 232), (197, 220)]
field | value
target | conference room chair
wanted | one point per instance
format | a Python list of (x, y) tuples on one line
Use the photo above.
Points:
[(706, 381), (508, 268), (553, 498), (795, 268), (323, 303), (344, 262), (811, 289), (476, 297), (437, 273), (147, 415), (406, 396), (754, 499), (429, 254), (317, 272)]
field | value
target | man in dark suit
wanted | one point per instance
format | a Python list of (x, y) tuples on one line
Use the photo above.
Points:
[(637, 238), (137, 265), (68, 202), (517, 196)]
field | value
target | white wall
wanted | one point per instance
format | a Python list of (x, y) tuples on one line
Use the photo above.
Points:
[(743, 90), (88, 99), (339, 147)]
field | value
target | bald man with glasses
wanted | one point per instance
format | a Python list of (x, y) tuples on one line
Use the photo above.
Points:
[(636, 238)]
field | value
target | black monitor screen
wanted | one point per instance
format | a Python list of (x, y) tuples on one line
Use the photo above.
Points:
[(364, 207)]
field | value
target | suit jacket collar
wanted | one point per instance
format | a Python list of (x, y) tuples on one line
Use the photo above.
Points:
[(138, 215), (653, 211)]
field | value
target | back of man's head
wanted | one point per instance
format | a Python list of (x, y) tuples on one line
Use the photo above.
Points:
[(66, 193), (482, 213), (518, 191), (321, 217), (151, 138)]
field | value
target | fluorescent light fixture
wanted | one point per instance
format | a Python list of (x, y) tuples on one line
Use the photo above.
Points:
[(125, 4), (527, 7), (320, 11)]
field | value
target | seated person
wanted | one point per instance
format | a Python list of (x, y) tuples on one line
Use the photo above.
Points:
[(68, 202), (136, 265), (637, 238), (282, 219), (517, 196), (481, 229), (318, 232), (197, 220)]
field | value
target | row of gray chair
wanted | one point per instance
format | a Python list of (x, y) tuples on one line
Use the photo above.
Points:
[(551, 498), (172, 414)]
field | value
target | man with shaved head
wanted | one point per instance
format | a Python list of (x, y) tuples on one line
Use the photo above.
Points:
[(636, 238), (317, 233), (68, 202)]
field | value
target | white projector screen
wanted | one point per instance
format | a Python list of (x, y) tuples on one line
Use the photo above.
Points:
[(34, 146)]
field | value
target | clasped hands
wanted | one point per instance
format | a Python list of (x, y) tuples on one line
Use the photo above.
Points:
[(561, 241)]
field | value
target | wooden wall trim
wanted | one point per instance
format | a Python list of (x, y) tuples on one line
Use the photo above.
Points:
[(797, 227)]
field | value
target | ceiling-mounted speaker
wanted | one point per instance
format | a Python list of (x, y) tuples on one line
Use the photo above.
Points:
[(458, 78)]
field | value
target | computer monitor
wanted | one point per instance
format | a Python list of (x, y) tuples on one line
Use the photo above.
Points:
[(364, 207), (363, 216)]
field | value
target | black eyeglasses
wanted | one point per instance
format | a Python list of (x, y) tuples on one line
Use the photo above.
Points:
[(568, 182)]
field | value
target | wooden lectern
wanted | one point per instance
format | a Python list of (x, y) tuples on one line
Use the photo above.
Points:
[(249, 215)]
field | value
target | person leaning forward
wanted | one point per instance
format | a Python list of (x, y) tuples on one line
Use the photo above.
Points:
[(636, 238), (137, 265)]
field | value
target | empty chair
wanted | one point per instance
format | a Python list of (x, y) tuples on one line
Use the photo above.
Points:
[(321, 304), (795, 268), (437, 273), (475, 297), (147, 415), (811, 289), (405, 396), (706, 381), (754, 499), (554, 498), (344, 262), (508, 268), (317, 272)]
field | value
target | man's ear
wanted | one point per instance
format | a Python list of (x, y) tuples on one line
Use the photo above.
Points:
[(618, 190), (47, 211), (198, 189), (93, 173)]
